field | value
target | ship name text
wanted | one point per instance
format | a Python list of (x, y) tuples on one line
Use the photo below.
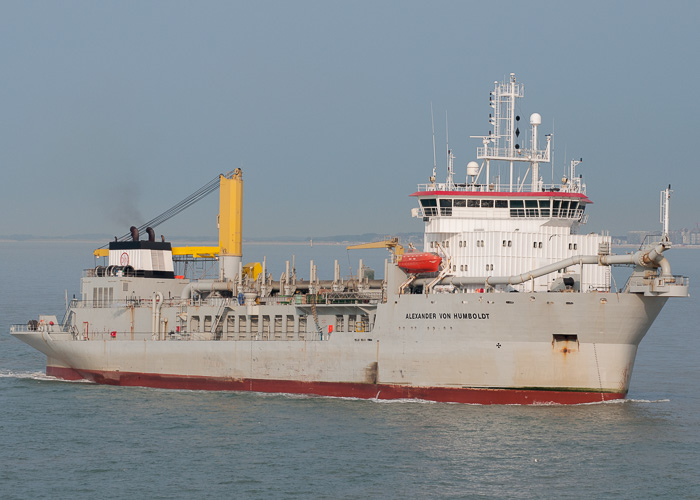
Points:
[(447, 315)]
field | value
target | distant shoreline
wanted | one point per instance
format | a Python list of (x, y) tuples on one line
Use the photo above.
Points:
[(281, 242)]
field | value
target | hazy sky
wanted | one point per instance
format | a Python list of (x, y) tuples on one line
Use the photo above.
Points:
[(111, 112)]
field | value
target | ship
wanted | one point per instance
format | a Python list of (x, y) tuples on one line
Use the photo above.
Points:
[(508, 302)]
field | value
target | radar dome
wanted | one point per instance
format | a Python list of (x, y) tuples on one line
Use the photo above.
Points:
[(535, 119), (472, 168)]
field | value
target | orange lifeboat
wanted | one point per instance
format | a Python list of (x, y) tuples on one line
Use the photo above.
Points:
[(420, 262)]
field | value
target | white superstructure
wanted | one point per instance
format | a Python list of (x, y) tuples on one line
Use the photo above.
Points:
[(491, 228)]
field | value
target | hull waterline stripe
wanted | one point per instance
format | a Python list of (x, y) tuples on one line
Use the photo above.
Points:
[(337, 389)]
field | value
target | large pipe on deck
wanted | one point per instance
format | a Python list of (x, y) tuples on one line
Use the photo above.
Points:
[(645, 258), (206, 286)]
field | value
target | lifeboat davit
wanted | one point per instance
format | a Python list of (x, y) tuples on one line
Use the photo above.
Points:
[(420, 262)]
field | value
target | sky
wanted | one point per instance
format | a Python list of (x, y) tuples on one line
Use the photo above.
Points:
[(112, 112)]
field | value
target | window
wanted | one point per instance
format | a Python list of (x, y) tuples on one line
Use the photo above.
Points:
[(473, 203), (486, 203), (510, 243), (460, 203), (534, 244), (539, 245), (277, 325), (564, 211), (531, 208), (429, 206), (572, 208), (504, 242), (445, 207), (517, 208), (501, 203), (302, 325)]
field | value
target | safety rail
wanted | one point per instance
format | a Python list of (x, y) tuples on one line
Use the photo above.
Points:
[(30, 327), (500, 187), (349, 298)]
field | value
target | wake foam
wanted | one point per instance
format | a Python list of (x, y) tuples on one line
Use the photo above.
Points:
[(39, 376)]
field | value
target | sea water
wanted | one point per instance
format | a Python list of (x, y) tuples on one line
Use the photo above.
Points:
[(83, 441)]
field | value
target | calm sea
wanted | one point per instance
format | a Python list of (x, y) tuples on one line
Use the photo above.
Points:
[(83, 441)]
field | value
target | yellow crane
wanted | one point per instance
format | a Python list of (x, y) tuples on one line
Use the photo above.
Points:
[(392, 244)]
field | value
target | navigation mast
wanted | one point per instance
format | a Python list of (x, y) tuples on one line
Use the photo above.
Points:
[(501, 143)]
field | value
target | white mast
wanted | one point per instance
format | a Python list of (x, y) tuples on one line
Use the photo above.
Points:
[(665, 209), (535, 120), (432, 123), (501, 144), (450, 157)]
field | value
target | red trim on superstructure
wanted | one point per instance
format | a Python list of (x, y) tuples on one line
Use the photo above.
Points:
[(338, 389), (504, 194)]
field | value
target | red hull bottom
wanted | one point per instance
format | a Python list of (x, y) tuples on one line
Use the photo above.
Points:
[(337, 389)]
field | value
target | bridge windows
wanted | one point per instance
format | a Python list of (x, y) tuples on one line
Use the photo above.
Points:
[(518, 208)]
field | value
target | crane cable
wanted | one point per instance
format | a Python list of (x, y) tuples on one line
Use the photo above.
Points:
[(190, 200)]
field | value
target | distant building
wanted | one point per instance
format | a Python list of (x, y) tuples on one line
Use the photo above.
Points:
[(638, 237), (694, 236)]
